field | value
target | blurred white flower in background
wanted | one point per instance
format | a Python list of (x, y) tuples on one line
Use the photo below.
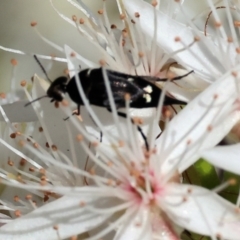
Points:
[(17, 33), (139, 190)]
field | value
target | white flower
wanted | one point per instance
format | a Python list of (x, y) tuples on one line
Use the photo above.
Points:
[(207, 57), (132, 193)]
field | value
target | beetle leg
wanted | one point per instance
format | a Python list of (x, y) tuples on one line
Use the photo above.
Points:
[(78, 110), (124, 115), (75, 112)]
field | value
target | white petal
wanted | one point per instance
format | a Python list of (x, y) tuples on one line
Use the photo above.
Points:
[(205, 63), (226, 157), (202, 211), (66, 213), (17, 112), (135, 228), (192, 123)]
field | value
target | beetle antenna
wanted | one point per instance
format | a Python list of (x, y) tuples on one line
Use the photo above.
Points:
[(27, 104), (41, 66), (182, 76)]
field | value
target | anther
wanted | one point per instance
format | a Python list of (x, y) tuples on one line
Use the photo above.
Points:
[(66, 71), (16, 198), (238, 50), (23, 83), (100, 11), (184, 199), (72, 54), (125, 34), (137, 14), (64, 103), (40, 129), (45, 198), (177, 39), (14, 62), (43, 182), (10, 163), (42, 171), (154, 150), (110, 182), (102, 62), (230, 39), (82, 204), (35, 145), (141, 54), (138, 224), (31, 169), (170, 75), (95, 144), (237, 23), (81, 21), (196, 39), (43, 178), (33, 23), (237, 210), (18, 133), (218, 24), (209, 128), (110, 163), (154, 3), (13, 135), (54, 147), (127, 97), (232, 181), (74, 18), (55, 227), (122, 16), (3, 95), (147, 155), (53, 55), (79, 137), (113, 26), (28, 197), (121, 143), (92, 171), (166, 113), (140, 121), (22, 162), (17, 213)]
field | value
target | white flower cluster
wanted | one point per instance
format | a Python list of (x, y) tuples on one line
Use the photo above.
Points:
[(96, 175)]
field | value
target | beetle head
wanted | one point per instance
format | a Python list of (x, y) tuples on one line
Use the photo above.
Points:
[(57, 89)]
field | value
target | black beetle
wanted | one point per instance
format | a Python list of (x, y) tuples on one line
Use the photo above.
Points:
[(142, 90)]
